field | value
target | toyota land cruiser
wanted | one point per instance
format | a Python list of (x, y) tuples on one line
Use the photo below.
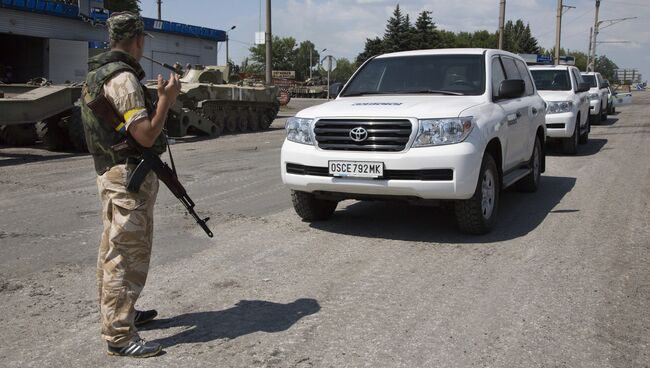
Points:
[(455, 125)]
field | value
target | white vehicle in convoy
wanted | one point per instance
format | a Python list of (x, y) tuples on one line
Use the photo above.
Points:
[(454, 125), (598, 96), (567, 100)]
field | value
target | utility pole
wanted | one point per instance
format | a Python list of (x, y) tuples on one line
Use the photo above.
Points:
[(558, 32), (269, 40), (227, 37), (591, 34), (159, 9), (592, 58), (502, 19)]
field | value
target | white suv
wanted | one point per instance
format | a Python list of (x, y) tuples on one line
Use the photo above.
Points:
[(597, 96), (567, 99), (454, 125)]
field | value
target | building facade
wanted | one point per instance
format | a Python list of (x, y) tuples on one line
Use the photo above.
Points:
[(52, 40)]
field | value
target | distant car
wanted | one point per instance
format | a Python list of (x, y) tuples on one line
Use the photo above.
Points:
[(567, 99), (616, 99), (597, 96)]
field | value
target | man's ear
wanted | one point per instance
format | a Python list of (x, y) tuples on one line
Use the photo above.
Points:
[(140, 41)]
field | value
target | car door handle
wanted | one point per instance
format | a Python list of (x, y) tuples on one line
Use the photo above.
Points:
[(512, 118), (518, 114)]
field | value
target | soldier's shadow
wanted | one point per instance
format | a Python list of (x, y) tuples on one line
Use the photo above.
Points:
[(247, 316)]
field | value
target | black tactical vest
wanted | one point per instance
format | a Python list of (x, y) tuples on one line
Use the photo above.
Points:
[(101, 136)]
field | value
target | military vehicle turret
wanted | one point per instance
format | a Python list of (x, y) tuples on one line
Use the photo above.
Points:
[(209, 105)]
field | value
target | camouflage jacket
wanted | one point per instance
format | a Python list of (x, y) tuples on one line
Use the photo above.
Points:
[(100, 136)]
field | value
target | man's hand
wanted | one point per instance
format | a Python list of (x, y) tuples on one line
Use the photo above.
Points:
[(168, 90)]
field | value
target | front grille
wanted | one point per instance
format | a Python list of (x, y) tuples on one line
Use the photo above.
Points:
[(422, 175), (555, 126), (383, 135)]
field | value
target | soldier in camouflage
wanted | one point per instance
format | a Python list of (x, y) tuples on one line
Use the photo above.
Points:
[(125, 246)]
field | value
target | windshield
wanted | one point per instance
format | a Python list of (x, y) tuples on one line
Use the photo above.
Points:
[(436, 74), (552, 80), (589, 79)]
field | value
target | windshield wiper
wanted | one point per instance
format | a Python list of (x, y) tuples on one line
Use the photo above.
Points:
[(432, 91)]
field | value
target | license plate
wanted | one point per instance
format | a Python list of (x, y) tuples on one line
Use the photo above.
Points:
[(356, 169)]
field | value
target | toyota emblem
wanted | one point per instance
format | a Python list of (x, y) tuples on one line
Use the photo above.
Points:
[(358, 134)]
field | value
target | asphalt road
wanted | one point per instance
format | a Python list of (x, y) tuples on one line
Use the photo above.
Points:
[(561, 282)]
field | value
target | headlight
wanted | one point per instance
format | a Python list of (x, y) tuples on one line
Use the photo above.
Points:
[(594, 96), (556, 107), (299, 130), (436, 132)]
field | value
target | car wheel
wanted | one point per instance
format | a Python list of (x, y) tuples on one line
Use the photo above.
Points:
[(478, 214), (530, 182), (570, 145), (603, 113), (310, 208), (584, 137)]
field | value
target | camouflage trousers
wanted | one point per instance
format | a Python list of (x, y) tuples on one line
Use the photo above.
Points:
[(124, 250)]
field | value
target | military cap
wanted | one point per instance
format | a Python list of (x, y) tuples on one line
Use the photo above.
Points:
[(124, 26)]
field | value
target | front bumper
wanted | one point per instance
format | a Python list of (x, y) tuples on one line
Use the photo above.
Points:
[(560, 125), (464, 159), (594, 107)]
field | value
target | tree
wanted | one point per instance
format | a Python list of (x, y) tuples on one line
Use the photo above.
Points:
[(344, 70), (518, 38), (282, 52), (372, 48), (606, 67), (425, 34), (301, 65)]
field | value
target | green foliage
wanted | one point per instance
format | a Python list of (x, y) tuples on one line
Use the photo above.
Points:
[(518, 38), (606, 67), (301, 65), (283, 53), (344, 70)]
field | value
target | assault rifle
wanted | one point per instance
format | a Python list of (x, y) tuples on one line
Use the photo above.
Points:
[(174, 68), (104, 110)]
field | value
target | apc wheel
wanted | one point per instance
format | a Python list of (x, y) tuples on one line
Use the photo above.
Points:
[(53, 136), (570, 145), (18, 135), (253, 121), (530, 182), (478, 214), (310, 208), (75, 129), (584, 137), (231, 123)]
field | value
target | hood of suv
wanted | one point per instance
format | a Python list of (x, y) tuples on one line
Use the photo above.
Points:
[(556, 95), (420, 107)]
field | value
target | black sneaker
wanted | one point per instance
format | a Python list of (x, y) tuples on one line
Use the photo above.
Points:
[(137, 348), (142, 317)]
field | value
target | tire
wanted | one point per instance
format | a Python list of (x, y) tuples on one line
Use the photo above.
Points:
[(584, 137), (231, 122), (570, 145), (19, 135), (478, 214), (75, 128), (53, 136), (530, 182), (310, 208), (253, 121), (603, 113)]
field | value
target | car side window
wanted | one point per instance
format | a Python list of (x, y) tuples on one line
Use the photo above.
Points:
[(525, 75), (498, 76), (577, 77), (511, 69)]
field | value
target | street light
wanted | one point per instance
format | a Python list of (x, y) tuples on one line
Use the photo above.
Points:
[(227, 57), (310, 62)]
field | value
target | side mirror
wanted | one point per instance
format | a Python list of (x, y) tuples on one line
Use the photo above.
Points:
[(512, 88), (605, 85), (583, 87)]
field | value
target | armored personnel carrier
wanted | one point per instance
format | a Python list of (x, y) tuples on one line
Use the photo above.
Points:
[(209, 105)]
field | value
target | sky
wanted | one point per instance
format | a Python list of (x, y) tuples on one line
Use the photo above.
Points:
[(342, 26)]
